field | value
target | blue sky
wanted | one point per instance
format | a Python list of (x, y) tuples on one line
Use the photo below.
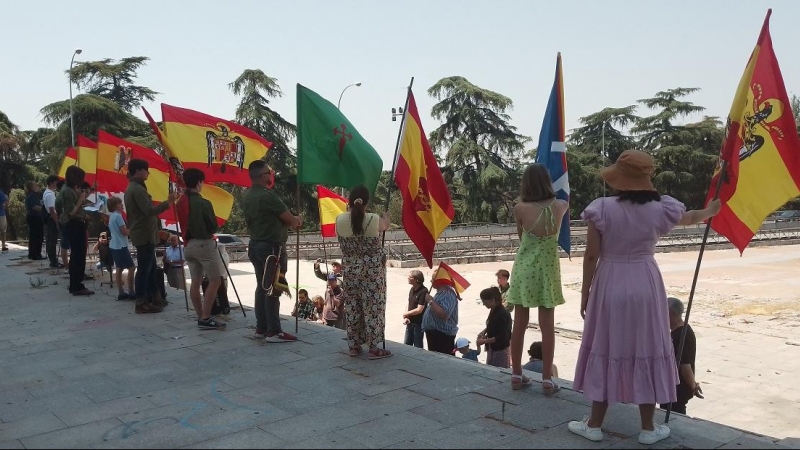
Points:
[(614, 52)]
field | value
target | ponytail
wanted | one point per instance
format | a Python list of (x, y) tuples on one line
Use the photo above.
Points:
[(359, 197)]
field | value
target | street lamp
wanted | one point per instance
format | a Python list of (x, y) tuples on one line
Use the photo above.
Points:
[(338, 104), (77, 51)]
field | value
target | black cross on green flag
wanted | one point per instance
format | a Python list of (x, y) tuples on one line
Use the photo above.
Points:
[(330, 150)]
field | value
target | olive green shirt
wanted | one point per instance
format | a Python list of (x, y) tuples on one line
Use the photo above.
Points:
[(143, 222), (202, 219), (262, 210), (66, 201)]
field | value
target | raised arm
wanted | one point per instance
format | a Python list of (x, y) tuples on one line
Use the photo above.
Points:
[(698, 215)]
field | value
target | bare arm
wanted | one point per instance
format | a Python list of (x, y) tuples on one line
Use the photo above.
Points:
[(385, 222), (124, 230), (698, 215), (590, 257), (437, 309), (414, 312)]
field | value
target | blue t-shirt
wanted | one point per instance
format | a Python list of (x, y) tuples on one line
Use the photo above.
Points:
[(118, 240), (471, 355), (3, 200)]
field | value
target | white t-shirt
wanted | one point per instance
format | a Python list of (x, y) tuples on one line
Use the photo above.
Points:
[(49, 200), (118, 240), (344, 226), (174, 254)]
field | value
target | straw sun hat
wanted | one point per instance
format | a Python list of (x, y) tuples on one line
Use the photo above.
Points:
[(631, 172)]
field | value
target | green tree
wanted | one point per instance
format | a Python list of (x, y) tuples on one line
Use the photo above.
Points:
[(481, 148), (255, 89), (113, 80), (603, 132), (657, 130)]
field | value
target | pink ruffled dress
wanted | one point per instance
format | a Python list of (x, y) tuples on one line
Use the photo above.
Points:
[(626, 351)]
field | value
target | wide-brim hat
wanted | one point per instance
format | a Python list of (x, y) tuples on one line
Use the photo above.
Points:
[(632, 172)]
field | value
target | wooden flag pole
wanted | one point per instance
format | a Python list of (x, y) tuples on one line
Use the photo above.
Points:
[(678, 357)]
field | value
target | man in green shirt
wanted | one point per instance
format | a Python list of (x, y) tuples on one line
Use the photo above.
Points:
[(198, 225), (143, 225), (268, 220), (502, 282)]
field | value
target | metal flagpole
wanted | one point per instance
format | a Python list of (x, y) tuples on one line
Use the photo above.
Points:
[(297, 267), (394, 166), (230, 277), (678, 357), (180, 251)]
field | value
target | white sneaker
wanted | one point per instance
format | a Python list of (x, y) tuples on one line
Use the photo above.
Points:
[(659, 433), (581, 428)]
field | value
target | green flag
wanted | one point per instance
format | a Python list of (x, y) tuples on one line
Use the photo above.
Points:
[(330, 150)]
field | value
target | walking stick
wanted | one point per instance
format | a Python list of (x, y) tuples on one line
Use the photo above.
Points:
[(230, 277)]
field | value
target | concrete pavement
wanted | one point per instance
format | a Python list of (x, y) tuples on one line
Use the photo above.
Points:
[(88, 372)]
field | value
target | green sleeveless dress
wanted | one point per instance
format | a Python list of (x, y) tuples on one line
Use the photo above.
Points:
[(536, 275)]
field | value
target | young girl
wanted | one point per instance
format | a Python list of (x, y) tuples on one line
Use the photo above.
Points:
[(537, 271), (497, 336)]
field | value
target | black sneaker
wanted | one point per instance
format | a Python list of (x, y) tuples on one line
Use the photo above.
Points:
[(56, 266), (123, 296), (210, 324)]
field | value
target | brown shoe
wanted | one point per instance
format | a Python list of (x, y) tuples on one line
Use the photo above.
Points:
[(158, 300), (155, 307), (145, 308)]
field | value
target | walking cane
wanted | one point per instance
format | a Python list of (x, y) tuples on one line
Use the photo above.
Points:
[(222, 260)]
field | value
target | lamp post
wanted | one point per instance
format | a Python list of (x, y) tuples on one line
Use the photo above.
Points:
[(338, 104), (77, 51)]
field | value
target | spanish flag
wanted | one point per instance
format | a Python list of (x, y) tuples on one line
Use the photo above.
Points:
[(427, 208), (87, 158), (220, 148), (446, 275), (761, 150), (221, 199), (331, 205), (70, 159)]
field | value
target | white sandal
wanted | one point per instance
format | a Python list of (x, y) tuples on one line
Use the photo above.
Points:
[(519, 382), (550, 387)]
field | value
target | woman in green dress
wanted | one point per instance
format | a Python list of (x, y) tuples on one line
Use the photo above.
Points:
[(536, 275)]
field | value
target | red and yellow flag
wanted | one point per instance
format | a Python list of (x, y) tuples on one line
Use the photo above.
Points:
[(427, 208), (220, 148), (761, 149), (70, 159), (221, 199), (331, 205), (446, 275), (87, 158)]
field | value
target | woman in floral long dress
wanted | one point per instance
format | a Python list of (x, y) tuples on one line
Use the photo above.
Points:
[(364, 274)]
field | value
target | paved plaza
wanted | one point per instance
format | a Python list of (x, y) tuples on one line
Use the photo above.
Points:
[(87, 372)]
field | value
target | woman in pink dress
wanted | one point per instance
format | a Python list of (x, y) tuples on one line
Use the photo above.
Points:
[(626, 351)]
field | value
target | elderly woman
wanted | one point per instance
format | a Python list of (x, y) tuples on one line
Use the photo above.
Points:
[(626, 353)]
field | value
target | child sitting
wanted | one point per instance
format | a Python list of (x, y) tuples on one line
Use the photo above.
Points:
[(462, 345), (535, 364)]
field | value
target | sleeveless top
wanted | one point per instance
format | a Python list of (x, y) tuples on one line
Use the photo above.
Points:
[(536, 275)]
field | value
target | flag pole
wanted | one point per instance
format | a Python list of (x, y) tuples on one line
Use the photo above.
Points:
[(230, 277), (297, 266), (678, 357), (180, 250), (394, 160)]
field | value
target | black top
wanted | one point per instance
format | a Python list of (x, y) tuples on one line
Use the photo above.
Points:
[(689, 351), (498, 326), (417, 298)]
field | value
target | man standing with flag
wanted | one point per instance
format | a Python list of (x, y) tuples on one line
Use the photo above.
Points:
[(268, 221), (143, 225)]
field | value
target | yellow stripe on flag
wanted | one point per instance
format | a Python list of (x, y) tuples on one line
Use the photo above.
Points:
[(221, 199)]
